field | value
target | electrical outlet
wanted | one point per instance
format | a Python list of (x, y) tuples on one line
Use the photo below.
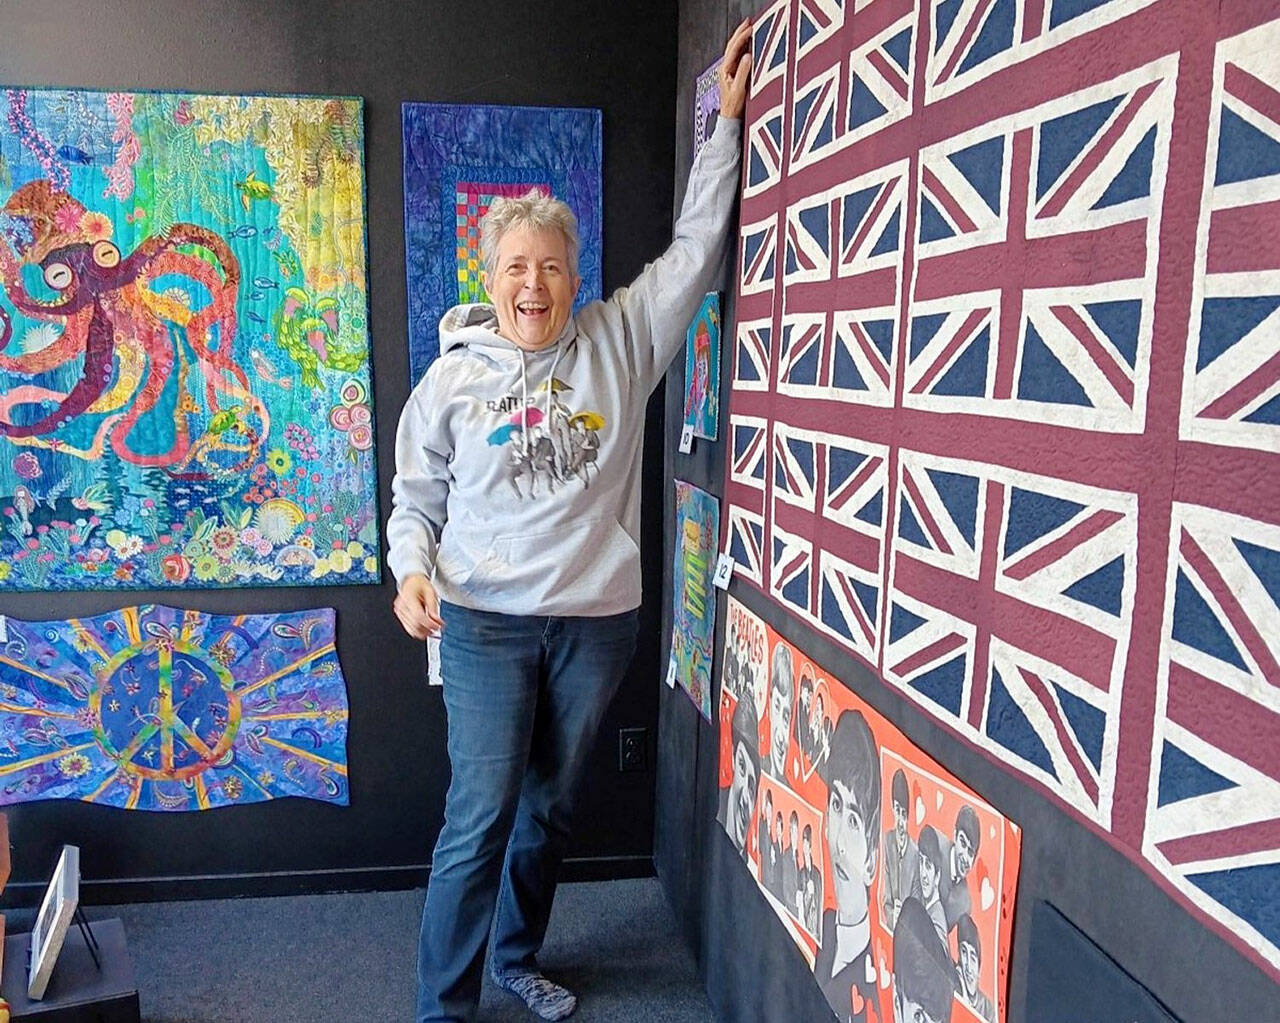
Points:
[(633, 749)]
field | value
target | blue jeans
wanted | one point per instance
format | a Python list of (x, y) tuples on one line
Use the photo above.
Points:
[(524, 697)]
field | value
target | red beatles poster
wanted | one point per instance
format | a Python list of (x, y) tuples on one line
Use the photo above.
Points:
[(894, 879)]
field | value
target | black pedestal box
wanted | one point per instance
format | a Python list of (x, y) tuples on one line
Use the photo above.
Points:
[(78, 992)]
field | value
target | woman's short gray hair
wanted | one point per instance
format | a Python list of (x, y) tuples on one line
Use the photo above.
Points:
[(533, 211)]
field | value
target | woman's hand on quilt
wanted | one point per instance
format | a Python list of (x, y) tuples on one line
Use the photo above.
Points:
[(735, 71)]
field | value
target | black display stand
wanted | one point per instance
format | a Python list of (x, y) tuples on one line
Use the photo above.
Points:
[(78, 992)]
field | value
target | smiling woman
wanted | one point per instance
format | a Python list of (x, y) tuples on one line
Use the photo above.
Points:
[(514, 533), (530, 249)]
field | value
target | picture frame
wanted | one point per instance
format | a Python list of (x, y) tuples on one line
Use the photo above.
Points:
[(56, 911)]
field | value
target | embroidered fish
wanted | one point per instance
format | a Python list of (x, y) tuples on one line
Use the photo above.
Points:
[(266, 370), (74, 154), (94, 498)]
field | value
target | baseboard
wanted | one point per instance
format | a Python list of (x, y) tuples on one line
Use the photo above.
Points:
[(115, 891)]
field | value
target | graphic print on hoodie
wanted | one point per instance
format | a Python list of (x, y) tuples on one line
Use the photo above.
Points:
[(549, 443)]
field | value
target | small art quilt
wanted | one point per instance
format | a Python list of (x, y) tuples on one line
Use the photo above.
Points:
[(702, 369), (694, 611), (706, 105), (155, 708)]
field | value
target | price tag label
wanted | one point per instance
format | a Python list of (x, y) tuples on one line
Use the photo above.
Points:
[(671, 673), (433, 661), (724, 571), (686, 439)]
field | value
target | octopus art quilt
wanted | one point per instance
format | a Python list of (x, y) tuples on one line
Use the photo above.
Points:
[(693, 629), (1005, 409), (895, 881), (184, 345), (155, 708), (457, 160)]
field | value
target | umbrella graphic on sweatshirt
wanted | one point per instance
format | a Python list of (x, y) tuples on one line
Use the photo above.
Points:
[(555, 383), (525, 417), (589, 420)]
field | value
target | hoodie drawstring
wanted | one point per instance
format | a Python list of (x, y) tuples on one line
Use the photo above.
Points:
[(551, 379), (524, 405), (524, 397)]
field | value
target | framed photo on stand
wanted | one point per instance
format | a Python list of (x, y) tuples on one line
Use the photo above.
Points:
[(59, 906)]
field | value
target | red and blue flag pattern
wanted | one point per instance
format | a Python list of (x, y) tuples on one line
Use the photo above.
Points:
[(1005, 409)]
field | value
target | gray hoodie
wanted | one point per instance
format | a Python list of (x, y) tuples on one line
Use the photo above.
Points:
[(517, 485)]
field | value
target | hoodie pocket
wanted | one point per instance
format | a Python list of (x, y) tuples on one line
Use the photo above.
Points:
[(578, 560), (461, 554)]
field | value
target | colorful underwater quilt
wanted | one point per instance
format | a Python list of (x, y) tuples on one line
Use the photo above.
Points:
[(184, 346), (155, 708), (694, 614), (457, 160)]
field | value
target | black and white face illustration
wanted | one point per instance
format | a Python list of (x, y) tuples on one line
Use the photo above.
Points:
[(928, 879), (742, 795), (964, 854), (781, 709), (852, 864), (969, 968)]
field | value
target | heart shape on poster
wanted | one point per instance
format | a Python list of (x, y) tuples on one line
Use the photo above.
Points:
[(919, 810), (939, 799), (885, 976), (988, 894), (870, 970), (856, 1000)]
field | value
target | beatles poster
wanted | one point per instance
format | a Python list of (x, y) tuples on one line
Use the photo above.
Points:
[(895, 881), (694, 614)]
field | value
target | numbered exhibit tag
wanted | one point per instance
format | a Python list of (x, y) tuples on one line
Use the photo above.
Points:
[(671, 673), (686, 439), (724, 571)]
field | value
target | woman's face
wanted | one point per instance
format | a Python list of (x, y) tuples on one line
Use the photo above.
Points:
[(533, 288)]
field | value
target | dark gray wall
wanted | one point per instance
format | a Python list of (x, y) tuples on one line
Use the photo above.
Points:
[(751, 967), (571, 53)]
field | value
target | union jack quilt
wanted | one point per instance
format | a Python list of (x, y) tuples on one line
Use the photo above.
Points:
[(1005, 396)]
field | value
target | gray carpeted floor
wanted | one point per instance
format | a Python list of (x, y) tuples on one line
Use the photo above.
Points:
[(351, 957)]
